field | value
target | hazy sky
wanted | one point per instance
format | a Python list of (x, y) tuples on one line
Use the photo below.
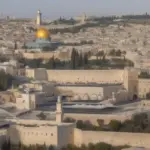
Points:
[(56, 8)]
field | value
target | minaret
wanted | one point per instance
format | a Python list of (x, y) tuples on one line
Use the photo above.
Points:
[(83, 20), (39, 18), (113, 97), (59, 110)]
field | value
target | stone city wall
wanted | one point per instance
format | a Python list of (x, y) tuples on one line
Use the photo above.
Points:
[(38, 133), (3, 136), (39, 55), (33, 135), (127, 77), (86, 76), (113, 138)]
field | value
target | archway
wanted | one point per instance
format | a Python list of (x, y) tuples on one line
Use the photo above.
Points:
[(76, 97), (86, 97), (94, 97), (135, 97)]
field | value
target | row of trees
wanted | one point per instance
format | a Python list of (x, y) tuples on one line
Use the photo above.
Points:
[(78, 60), (148, 95), (118, 53), (75, 29), (144, 75), (90, 146), (5, 80), (127, 17), (105, 20), (70, 21), (138, 123), (83, 42)]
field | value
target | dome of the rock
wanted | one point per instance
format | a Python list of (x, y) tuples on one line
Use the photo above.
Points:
[(42, 33)]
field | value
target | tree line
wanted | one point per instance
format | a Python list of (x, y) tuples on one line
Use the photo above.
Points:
[(80, 60), (83, 42), (61, 20), (77, 61), (144, 75), (99, 146), (137, 124)]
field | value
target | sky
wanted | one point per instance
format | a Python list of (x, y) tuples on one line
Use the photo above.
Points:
[(69, 8)]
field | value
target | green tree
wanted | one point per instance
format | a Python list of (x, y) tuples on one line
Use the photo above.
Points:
[(148, 95), (91, 146), (103, 146), (15, 45), (73, 59), (100, 122), (124, 55), (80, 60), (118, 52), (80, 124), (5, 80), (112, 52), (144, 75), (69, 120), (100, 54), (51, 147), (53, 64), (85, 59), (42, 116), (140, 120), (115, 125)]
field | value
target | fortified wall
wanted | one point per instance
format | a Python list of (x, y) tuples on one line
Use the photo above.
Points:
[(127, 77), (85, 76), (144, 87), (113, 138), (77, 76), (47, 55), (63, 135)]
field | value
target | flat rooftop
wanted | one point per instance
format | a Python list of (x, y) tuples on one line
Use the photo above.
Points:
[(90, 84), (119, 109), (34, 115)]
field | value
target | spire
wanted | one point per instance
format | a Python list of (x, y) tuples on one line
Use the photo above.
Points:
[(59, 110), (39, 18)]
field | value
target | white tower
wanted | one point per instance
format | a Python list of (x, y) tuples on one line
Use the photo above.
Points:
[(59, 110), (83, 19), (113, 97), (39, 18)]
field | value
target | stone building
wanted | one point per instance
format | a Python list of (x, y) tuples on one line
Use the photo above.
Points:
[(60, 134), (39, 132), (70, 80)]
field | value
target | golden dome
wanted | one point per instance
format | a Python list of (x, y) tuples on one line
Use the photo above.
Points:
[(42, 33)]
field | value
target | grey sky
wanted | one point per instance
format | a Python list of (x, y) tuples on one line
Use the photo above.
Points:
[(56, 8)]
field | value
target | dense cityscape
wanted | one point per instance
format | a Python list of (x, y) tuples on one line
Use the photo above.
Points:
[(81, 83)]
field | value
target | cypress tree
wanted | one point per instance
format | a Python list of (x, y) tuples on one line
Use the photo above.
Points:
[(80, 60), (85, 59), (15, 45), (53, 63), (76, 59), (73, 60)]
